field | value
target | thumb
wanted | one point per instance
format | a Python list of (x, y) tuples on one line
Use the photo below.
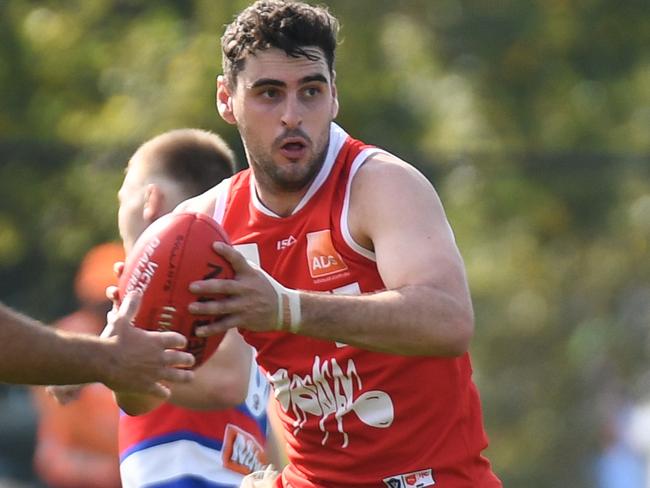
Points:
[(129, 307)]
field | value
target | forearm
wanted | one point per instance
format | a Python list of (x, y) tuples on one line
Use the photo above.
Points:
[(35, 354), (412, 320), (203, 394), (215, 394), (221, 381)]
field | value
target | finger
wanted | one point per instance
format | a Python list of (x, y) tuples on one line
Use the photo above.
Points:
[(219, 327), (169, 340), (221, 306), (215, 287), (178, 359), (174, 375), (160, 391), (129, 306), (111, 318), (235, 258), (113, 293), (118, 268), (109, 328)]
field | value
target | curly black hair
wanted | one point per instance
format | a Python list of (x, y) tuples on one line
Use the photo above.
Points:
[(287, 25)]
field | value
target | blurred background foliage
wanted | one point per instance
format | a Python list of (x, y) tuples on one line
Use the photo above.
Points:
[(532, 119)]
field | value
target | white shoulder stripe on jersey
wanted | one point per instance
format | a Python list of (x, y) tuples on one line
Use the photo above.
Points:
[(361, 158), (337, 138), (221, 198), (174, 460)]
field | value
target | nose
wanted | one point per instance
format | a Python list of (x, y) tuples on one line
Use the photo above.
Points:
[(292, 113)]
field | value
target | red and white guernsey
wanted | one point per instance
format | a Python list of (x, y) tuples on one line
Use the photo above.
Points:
[(352, 418)]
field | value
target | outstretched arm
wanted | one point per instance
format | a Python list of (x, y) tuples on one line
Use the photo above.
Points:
[(132, 360), (426, 307)]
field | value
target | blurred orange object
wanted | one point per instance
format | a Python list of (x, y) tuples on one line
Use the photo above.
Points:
[(77, 443), (96, 273)]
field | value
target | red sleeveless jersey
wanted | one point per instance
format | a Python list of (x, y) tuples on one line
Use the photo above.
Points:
[(352, 418)]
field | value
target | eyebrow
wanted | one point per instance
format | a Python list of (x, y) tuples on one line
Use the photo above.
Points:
[(273, 82), (268, 82), (309, 79)]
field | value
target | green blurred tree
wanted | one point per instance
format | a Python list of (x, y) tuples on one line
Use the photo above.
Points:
[(530, 118)]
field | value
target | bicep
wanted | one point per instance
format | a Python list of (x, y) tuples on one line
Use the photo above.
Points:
[(400, 213)]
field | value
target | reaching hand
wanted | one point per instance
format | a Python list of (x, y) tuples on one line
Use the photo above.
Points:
[(142, 359)]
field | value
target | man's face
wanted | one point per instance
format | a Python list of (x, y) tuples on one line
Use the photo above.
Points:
[(131, 197), (283, 107)]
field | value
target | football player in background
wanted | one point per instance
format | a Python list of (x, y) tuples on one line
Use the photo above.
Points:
[(214, 430), (76, 445)]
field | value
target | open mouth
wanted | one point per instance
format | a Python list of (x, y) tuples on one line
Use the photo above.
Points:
[(293, 149)]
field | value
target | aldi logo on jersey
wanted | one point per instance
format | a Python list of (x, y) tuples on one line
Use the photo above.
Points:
[(416, 479), (322, 258)]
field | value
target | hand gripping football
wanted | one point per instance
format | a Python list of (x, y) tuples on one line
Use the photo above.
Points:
[(171, 253)]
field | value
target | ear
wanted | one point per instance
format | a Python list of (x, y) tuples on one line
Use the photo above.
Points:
[(224, 101), (153, 203), (335, 96)]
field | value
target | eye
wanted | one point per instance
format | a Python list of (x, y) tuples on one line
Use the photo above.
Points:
[(270, 93), (312, 91)]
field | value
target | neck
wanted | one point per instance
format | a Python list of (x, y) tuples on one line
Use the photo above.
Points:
[(281, 203)]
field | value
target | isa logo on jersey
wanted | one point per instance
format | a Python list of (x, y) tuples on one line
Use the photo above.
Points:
[(323, 259), (416, 479)]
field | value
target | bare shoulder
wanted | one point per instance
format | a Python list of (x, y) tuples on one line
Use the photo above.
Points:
[(388, 190), (396, 213), (385, 168)]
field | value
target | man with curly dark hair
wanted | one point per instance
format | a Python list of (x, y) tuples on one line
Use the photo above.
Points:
[(348, 281), (278, 24)]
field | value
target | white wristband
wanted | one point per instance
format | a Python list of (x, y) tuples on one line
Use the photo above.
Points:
[(288, 310), (289, 314)]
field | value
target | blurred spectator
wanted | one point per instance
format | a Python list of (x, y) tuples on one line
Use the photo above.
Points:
[(18, 424), (638, 433), (77, 443), (622, 462)]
